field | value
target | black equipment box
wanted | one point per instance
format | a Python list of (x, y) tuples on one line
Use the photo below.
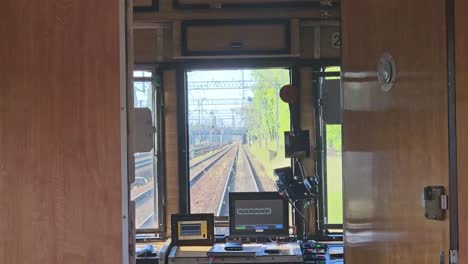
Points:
[(192, 229)]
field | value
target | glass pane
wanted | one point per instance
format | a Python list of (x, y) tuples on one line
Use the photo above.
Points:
[(334, 175), (146, 74), (333, 69), (144, 191), (236, 134), (143, 94), (334, 167)]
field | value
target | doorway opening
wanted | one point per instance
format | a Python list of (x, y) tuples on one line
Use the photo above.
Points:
[(236, 125)]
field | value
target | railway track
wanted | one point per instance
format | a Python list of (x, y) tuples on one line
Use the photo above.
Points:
[(211, 180), (209, 188), (146, 222), (145, 208), (195, 164), (233, 172), (144, 159), (142, 191), (242, 178), (198, 171), (259, 185), (223, 203), (142, 194)]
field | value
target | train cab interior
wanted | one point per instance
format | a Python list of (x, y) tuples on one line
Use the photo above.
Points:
[(233, 131)]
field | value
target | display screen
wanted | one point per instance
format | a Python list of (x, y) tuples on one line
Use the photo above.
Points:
[(259, 216), (190, 229)]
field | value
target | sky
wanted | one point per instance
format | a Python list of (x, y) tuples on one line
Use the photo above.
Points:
[(220, 75), (198, 97)]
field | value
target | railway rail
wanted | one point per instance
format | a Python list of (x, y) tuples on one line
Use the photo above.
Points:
[(195, 175), (208, 157), (211, 179), (146, 222), (233, 172), (242, 178), (209, 186), (141, 194)]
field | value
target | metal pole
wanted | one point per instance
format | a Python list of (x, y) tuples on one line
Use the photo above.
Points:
[(199, 113), (243, 96), (277, 117)]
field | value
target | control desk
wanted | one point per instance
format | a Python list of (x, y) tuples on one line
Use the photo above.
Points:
[(307, 253), (251, 253)]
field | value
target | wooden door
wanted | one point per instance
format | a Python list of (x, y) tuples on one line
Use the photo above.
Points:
[(461, 73), (61, 185), (395, 143)]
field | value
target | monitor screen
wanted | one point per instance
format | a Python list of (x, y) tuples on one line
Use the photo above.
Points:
[(258, 214), (190, 229)]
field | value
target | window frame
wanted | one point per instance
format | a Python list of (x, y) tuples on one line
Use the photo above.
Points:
[(159, 158), (182, 86), (321, 155), (293, 64)]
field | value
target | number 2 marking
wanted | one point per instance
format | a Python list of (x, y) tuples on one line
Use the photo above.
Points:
[(336, 40)]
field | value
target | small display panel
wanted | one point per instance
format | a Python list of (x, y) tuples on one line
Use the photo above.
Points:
[(193, 230), (258, 214), (190, 229)]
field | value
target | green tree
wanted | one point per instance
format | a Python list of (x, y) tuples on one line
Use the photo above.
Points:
[(267, 115), (334, 137)]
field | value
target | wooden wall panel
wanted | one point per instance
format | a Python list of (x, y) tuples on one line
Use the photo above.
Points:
[(307, 113), (144, 3), (395, 143), (308, 42), (251, 37), (60, 167), (307, 120), (153, 43), (172, 150), (461, 59), (168, 13), (329, 42), (320, 40), (146, 45)]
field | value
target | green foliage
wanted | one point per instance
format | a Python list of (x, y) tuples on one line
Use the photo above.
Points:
[(334, 137), (268, 116), (334, 188), (268, 163), (332, 69), (334, 168)]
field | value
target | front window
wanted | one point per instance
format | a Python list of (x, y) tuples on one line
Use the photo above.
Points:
[(236, 134)]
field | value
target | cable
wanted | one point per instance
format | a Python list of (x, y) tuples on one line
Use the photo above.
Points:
[(271, 240), (299, 211), (304, 219), (301, 168)]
